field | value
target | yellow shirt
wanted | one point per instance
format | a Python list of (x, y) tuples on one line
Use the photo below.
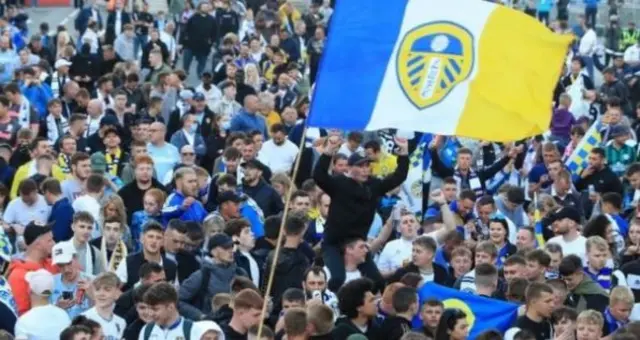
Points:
[(386, 165), (272, 118)]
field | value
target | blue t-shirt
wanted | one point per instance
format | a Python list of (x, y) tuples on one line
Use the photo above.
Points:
[(59, 288)]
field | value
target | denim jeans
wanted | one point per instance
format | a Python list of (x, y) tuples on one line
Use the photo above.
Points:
[(543, 17), (588, 65), (334, 261), (590, 16), (201, 59), (138, 42)]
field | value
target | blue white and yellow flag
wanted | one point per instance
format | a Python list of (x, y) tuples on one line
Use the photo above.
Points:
[(467, 68), (412, 190), (482, 313), (579, 157)]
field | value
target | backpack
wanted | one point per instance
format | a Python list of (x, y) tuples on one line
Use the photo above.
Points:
[(187, 325), (199, 297)]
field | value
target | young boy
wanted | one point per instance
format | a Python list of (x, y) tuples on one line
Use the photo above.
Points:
[(88, 256), (240, 231), (431, 312), (537, 263), (589, 325), (106, 289), (563, 320), (167, 323), (111, 248), (597, 256), (621, 302)]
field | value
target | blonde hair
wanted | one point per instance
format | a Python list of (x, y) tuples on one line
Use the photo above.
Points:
[(591, 317), (284, 180), (597, 243), (621, 294)]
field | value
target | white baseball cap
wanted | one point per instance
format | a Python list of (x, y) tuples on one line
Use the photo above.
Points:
[(40, 282), (63, 252)]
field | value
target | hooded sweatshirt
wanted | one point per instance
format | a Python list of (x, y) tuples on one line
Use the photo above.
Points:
[(19, 286), (219, 282), (588, 295)]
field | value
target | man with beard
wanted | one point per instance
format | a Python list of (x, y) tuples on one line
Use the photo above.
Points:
[(80, 171), (133, 193), (182, 203), (257, 188), (280, 152)]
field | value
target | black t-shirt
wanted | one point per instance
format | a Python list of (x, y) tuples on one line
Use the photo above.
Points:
[(143, 18), (232, 334), (541, 330)]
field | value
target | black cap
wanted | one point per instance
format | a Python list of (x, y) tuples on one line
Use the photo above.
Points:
[(110, 131), (356, 159), (229, 196), (566, 212), (198, 96), (32, 231), (109, 120), (220, 240), (253, 163)]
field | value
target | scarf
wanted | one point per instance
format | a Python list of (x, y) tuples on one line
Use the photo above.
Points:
[(472, 181), (24, 113), (56, 128), (603, 277), (119, 253), (57, 84), (611, 322), (113, 161), (64, 162)]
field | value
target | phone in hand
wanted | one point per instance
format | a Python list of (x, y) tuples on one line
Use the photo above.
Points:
[(67, 295)]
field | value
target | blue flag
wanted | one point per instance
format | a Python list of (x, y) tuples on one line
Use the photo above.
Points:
[(482, 313)]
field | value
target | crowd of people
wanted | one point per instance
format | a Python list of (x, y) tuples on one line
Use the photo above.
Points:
[(137, 204)]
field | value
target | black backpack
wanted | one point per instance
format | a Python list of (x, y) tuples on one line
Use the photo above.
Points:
[(187, 325)]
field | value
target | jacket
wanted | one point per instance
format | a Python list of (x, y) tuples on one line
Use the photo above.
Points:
[(227, 21), (290, 269), (17, 270), (173, 209), (200, 33), (440, 274), (243, 263), (110, 31), (247, 122), (62, 217), (353, 205), (604, 180), (82, 20), (394, 327), (588, 295), (220, 279), (179, 140), (344, 328), (187, 264), (24, 173), (266, 197), (38, 96)]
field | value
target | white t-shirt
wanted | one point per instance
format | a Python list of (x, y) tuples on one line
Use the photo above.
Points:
[(44, 322), (279, 158), (111, 329), (394, 254), (20, 213), (345, 150), (92, 206), (253, 266), (575, 247), (348, 276), (175, 331)]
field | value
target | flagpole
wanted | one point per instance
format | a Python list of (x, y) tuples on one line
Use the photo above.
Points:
[(272, 272)]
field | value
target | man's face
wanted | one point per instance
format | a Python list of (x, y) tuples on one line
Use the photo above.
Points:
[(554, 169), (325, 202), (315, 282), (597, 258), (595, 161), (561, 227), (358, 251), (251, 174), (82, 231), (461, 265), (544, 304), (112, 232), (249, 152), (634, 180), (82, 170), (534, 270), (152, 241), (162, 313), (450, 192), (189, 185), (369, 307), (42, 149), (525, 240), (302, 204), (482, 257), (144, 172), (246, 238), (173, 241), (250, 317), (138, 151), (556, 258), (341, 166), (154, 278), (465, 206), (409, 226), (464, 161), (573, 280), (70, 270), (112, 140), (69, 146), (421, 256), (513, 271), (431, 316), (224, 255)]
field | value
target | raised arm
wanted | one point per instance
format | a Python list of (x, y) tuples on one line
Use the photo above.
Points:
[(321, 171)]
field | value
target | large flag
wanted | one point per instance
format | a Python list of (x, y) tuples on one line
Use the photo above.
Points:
[(482, 313), (579, 157), (467, 68), (412, 190)]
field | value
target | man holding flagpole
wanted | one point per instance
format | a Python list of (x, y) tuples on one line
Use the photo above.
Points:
[(354, 198)]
